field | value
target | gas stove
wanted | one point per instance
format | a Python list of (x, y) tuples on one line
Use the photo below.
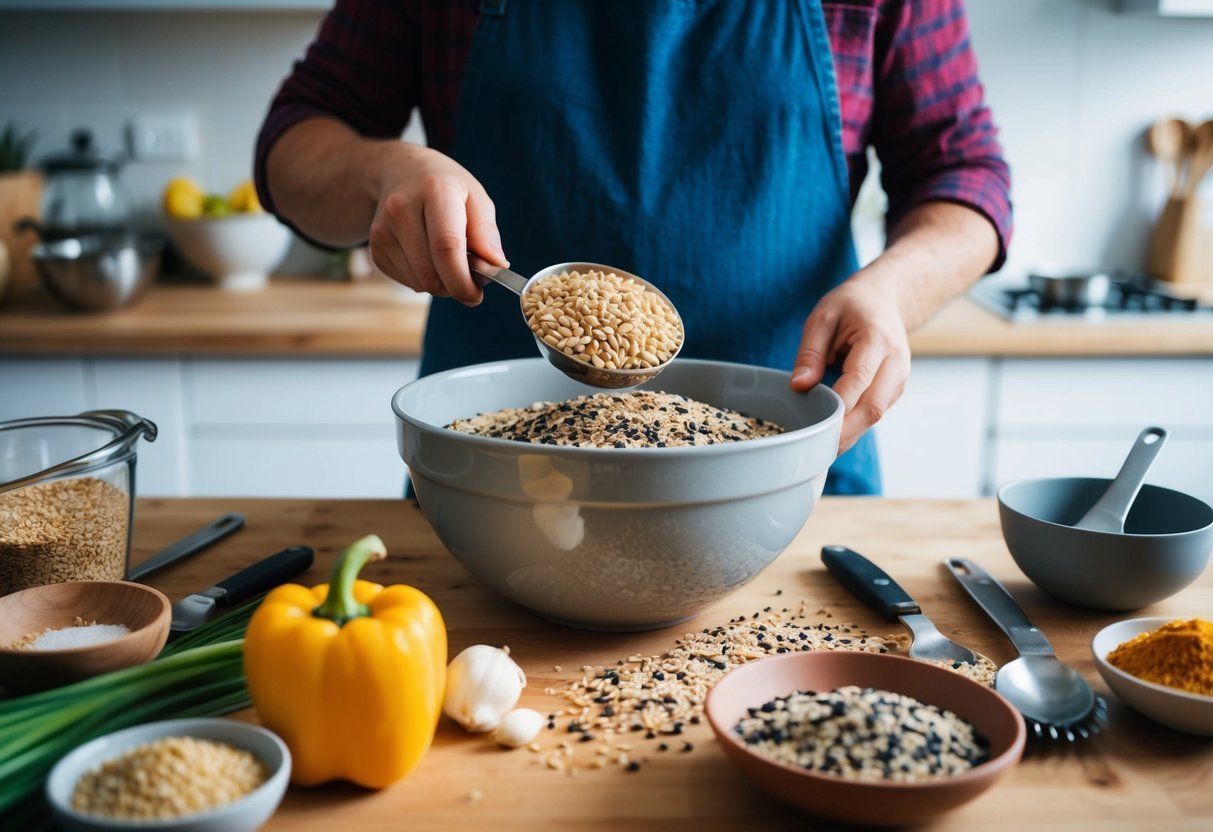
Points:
[(1133, 298)]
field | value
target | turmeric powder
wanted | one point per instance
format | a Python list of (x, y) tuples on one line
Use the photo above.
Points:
[(1178, 654)]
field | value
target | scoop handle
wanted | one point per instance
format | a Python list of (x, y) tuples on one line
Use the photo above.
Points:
[(1109, 512), (998, 604), (487, 271)]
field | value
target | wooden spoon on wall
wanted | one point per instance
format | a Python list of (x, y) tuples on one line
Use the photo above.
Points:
[(1169, 140), (1200, 153)]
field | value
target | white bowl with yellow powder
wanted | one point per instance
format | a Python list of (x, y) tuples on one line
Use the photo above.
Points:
[(184, 775), (1184, 658)]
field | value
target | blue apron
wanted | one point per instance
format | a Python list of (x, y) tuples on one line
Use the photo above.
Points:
[(697, 144)]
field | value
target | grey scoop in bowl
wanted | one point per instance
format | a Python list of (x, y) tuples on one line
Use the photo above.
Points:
[(615, 538), (1166, 542)]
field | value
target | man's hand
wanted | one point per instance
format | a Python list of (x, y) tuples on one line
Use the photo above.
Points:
[(860, 323), (430, 212), (423, 209)]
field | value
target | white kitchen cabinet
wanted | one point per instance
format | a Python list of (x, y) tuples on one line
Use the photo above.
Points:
[(152, 388), (932, 443), (256, 428), (42, 387)]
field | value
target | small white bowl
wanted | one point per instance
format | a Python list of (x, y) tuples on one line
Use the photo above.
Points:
[(248, 813), (1172, 707), (237, 251)]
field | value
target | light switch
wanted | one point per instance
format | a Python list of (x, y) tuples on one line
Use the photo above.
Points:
[(171, 138)]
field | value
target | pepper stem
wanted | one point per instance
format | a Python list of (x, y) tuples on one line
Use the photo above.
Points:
[(339, 605)]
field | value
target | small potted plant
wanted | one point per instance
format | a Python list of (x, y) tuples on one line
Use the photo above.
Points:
[(20, 191)]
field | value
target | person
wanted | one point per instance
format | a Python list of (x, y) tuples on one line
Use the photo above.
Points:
[(715, 148)]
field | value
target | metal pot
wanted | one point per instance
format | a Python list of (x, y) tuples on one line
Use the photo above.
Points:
[(98, 271), (1070, 289)]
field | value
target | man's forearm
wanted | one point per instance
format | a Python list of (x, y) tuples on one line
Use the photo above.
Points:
[(323, 178), (936, 251)]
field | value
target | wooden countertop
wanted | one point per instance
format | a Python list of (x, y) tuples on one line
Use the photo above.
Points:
[(1136, 775), (313, 317)]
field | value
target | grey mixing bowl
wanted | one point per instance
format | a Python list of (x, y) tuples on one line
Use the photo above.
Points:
[(1165, 545), (607, 538)]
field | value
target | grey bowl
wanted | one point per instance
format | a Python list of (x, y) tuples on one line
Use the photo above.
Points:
[(1165, 545), (98, 272), (615, 539)]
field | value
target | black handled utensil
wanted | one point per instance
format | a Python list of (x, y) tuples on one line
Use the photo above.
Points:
[(870, 584), (186, 546), (193, 611)]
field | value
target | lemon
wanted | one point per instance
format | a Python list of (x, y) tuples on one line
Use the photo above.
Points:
[(183, 198), (243, 198)]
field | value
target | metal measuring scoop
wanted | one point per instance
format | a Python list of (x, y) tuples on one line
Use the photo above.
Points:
[(582, 371), (1054, 699), (1109, 512)]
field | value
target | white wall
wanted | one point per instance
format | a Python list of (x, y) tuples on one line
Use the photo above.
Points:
[(1073, 84)]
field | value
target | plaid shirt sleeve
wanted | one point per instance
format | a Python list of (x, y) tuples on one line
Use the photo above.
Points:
[(909, 87), (363, 68)]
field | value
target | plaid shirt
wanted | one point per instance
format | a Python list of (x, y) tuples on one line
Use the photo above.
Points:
[(373, 62)]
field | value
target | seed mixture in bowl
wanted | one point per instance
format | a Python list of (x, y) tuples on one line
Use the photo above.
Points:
[(603, 319), (169, 778), (636, 419), (864, 734)]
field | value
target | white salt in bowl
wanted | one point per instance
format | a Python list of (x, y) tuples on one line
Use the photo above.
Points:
[(142, 610), (243, 815), (615, 538)]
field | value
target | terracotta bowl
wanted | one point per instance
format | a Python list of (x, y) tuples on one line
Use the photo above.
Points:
[(145, 611), (849, 801)]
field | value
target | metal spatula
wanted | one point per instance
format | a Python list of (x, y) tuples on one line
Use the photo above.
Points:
[(869, 583), (1056, 702)]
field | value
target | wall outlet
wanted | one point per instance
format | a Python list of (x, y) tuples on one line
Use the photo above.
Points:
[(163, 138)]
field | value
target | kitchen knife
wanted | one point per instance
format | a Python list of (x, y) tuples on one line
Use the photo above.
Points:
[(193, 611), (870, 584), (190, 545)]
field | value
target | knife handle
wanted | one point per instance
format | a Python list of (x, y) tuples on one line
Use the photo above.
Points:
[(868, 582), (187, 546), (265, 574)]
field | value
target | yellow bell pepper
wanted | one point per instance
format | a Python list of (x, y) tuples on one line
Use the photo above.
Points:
[(350, 674)]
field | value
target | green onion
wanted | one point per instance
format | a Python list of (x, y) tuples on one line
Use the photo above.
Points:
[(200, 674)]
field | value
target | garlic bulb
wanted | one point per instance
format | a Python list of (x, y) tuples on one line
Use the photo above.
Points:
[(518, 727), (482, 685)]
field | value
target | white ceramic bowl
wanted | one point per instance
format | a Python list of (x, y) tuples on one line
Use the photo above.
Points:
[(615, 538), (1172, 707), (248, 813), (237, 251)]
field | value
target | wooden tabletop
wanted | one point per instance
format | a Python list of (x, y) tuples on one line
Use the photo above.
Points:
[(1136, 775), (314, 317)]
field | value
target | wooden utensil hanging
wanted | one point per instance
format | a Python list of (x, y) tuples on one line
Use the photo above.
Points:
[(1181, 248)]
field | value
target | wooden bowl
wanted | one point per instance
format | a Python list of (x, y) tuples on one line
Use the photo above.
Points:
[(145, 611), (851, 801)]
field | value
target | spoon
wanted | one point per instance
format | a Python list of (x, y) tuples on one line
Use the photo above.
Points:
[(1200, 144), (1109, 512), (1168, 139), (581, 371), (1053, 698)]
